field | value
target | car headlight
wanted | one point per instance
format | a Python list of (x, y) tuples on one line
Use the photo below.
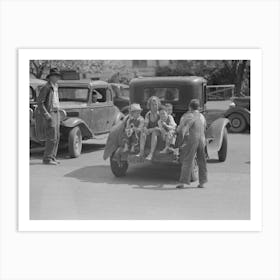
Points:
[(231, 105), (63, 115)]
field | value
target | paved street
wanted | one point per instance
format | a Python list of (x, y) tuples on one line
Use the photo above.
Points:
[(85, 188)]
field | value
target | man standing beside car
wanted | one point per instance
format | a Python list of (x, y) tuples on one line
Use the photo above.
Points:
[(48, 107), (192, 127)]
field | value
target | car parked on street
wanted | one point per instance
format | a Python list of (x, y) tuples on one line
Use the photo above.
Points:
[(239, 114), (178, 91), (87, 111), (121, 96)]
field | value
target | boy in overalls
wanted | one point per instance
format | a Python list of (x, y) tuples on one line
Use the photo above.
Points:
[(192, 126), (133, 128)]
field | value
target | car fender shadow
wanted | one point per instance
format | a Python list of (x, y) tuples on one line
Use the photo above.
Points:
[(145, 177)]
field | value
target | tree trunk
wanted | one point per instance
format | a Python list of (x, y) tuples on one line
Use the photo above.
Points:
[(239, 77)]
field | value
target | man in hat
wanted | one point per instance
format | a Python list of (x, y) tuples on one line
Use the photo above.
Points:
[(48, 107)]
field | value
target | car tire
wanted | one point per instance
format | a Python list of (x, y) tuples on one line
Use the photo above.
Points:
[(238, 123), (194, 174), (75, 142), (222, 153), (119, 169)]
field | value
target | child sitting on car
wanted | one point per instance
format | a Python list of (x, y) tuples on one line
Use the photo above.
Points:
[(167, 127), (133, 128), (169, 108)]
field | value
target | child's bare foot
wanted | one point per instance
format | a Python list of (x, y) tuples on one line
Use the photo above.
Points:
[(149, 157), (141, 154), (164, 151)]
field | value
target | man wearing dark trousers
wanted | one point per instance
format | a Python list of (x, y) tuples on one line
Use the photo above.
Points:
[(48, 107), (192, 126)]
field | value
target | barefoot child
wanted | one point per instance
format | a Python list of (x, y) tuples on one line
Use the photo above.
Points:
[(133, 128), (169, 108), (167, 127)]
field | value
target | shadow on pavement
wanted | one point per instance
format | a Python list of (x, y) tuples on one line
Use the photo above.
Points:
[(37, 153), (213, 160), (144, 177), (162, 188)]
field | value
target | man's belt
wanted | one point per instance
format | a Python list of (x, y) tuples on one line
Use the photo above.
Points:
[(55, 110)]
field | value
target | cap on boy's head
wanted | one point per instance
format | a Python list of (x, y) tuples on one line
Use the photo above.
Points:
[(194, 104), (135, 107), (168, 105)]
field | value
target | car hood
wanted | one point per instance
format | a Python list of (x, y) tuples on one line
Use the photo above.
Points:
[(72, 105)]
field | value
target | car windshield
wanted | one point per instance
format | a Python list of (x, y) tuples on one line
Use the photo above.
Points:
[(124, 92), (164, 94), (73, 94)]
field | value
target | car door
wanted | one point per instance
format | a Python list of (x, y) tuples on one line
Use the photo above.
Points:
[(101, 111)]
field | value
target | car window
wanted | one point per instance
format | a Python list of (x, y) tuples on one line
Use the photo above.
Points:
[(124, 92), (73, 94), (164, 94), (103, 94)]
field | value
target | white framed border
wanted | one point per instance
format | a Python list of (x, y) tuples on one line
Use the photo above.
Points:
[(255, 222)]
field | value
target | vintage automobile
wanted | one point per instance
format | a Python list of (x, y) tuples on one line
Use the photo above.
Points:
[(82, 115), (34, 88), (239, 114), (121, 96), (178, 91)]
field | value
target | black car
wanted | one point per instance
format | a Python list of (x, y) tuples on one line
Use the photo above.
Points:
[(239, 114), (121, 96)]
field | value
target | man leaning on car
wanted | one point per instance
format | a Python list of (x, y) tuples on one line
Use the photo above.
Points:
[(48, 106)]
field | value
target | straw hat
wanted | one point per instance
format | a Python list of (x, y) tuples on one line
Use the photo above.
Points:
[(135, 107)]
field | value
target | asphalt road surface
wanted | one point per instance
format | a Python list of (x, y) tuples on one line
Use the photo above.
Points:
[(85, 188)]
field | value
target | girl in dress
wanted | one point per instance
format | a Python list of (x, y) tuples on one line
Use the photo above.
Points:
[(150, 129)]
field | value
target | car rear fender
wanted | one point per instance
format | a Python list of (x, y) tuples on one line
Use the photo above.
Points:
[(125, 110), (214, 134), (239, 110), (73, 122)]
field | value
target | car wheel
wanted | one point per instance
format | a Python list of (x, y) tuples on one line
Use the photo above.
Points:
[(238, 123), (194, 174), (118, 168), (222, 153), (75, 142)]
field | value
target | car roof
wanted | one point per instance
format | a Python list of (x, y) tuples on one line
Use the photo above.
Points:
[(84, 83), (166, 80), (119, 85)]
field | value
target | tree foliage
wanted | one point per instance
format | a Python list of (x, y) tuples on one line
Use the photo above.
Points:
[(217, 72)]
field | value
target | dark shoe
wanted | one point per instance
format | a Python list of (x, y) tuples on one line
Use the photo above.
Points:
[(200, 186), (49, 162), (181, 186)]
